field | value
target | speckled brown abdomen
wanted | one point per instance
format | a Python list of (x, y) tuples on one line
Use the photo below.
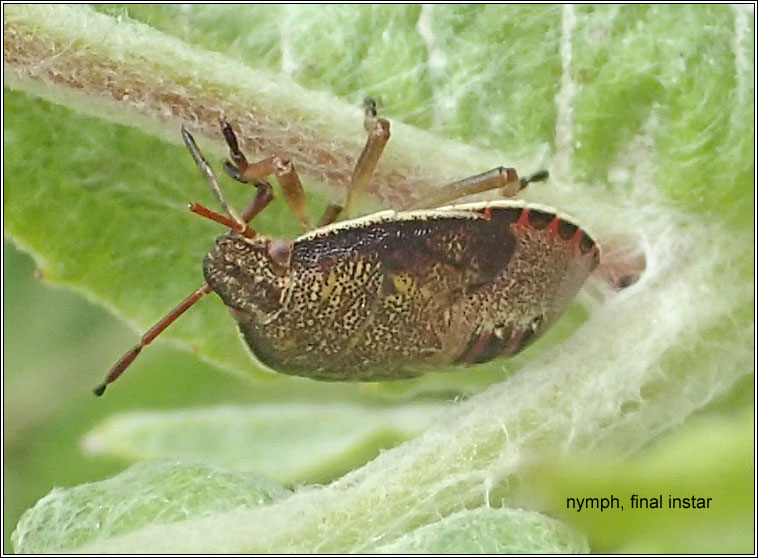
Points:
[(391, 295)]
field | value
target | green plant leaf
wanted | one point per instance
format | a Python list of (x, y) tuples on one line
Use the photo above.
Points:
[(151, 493), (644, 114), (707, 466), (490, 531), (291, 443)]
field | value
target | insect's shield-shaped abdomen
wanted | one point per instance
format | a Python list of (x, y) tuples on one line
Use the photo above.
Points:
[(246, 277)]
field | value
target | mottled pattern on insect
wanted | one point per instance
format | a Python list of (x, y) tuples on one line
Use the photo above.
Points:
[(393, 294)]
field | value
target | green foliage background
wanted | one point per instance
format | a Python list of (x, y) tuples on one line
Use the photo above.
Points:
[(660, 111)]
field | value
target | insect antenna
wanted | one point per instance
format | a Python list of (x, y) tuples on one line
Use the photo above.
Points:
[(222, 219), (149, 336), (205, 168)]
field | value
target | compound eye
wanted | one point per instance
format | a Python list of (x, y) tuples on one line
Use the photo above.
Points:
[(280, 250)]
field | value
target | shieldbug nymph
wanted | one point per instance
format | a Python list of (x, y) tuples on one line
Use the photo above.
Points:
[(393, 294)]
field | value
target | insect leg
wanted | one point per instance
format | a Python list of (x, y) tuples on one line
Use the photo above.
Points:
[(263, 196), (506, 179), (207, 172), (378, 135), (149, 336), (243, 171)]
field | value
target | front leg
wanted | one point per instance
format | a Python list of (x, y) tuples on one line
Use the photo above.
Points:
[(243, 171)]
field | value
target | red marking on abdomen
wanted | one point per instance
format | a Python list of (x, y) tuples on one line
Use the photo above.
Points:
[(552, 228), (476, 347), (523, 220), (576, 238)]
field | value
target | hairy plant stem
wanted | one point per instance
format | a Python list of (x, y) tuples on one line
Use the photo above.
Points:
[(129, 73)]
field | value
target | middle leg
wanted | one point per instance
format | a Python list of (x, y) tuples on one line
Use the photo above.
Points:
[(378, 135)]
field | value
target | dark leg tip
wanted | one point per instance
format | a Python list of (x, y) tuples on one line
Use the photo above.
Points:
[(370, 105), (627, 280), (233, 171), (231, 138), (538, 176), (99, 390), (189, 141)]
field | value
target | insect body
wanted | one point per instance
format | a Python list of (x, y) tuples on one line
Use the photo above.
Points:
[(393, 294)]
